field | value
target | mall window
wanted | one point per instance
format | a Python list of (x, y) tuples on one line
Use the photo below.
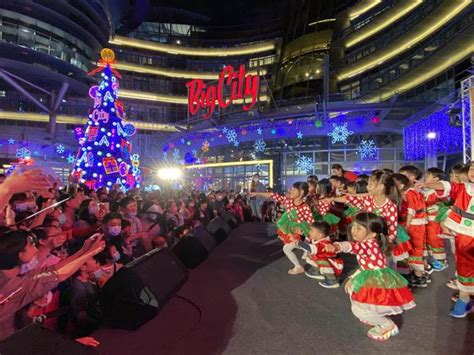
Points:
[(260, 62)]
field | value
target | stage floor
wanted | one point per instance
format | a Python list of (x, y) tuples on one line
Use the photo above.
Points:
[(248, 304)]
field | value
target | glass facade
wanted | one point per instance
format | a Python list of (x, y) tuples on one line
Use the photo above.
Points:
[(386, 74), (391, 158), (227, 178), (402, 27), (28, 32)]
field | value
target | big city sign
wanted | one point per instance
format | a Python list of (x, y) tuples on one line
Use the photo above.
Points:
[(231, 86)]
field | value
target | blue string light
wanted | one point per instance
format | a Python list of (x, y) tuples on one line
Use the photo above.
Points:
[(432, 135)]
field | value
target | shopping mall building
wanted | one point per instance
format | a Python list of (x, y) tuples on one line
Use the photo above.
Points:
[(367, 84)]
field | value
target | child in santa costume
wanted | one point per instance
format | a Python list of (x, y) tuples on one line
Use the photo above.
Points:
[(435, 209), (376, 290), (413, 218), (294, 223), (326, 266), (460, 221)]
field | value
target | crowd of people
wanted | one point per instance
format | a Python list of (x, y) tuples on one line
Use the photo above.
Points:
[(396, 224), (60, 245)]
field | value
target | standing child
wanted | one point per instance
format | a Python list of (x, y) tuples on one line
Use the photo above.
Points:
[(435, 244), (294, 222), (326, 265), (460, 220), (414, 218), (383, 199), (321, 206), (376, 290)]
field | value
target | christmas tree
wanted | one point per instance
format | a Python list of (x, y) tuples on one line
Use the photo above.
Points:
[(104, 157)]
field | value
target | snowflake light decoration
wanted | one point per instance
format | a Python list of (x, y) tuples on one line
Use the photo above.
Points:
[(367, 149), (205, 146), (70, 158), (224, 130), (236, 143), (60, 149), (340, 133), (259, 131), (11, 141), (304, 164), (259, 145), (231, 135), (23, 153), (176, 156), (299, 135)]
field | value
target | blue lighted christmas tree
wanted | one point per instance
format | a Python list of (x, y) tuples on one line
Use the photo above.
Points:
[(104, 157)]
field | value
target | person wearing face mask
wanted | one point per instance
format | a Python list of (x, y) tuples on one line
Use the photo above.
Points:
[(110, 262), (152, 223), (256, 202), (129, 209), (19, 202), (48, 239), (17, 291), (112, 229)]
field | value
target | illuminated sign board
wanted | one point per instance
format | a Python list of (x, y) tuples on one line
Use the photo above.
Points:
[(231, 86)]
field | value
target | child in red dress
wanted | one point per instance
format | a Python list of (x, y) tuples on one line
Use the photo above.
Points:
[(294, 222), (382, 199), (376, 290)]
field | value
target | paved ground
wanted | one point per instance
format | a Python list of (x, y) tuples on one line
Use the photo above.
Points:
[(243, 302)]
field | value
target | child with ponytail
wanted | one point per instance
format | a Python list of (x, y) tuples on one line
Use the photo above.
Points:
[(376, 290), (383, 199), (294, 223)]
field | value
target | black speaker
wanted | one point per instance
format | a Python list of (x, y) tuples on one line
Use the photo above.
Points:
[(138, 291), (219, 229), (195, 247), (231, 219), (35, 339)]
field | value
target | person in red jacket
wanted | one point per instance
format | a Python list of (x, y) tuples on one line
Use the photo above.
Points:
[(337, 169)]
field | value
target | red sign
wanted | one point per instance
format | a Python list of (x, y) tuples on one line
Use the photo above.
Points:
[(232, 85)]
